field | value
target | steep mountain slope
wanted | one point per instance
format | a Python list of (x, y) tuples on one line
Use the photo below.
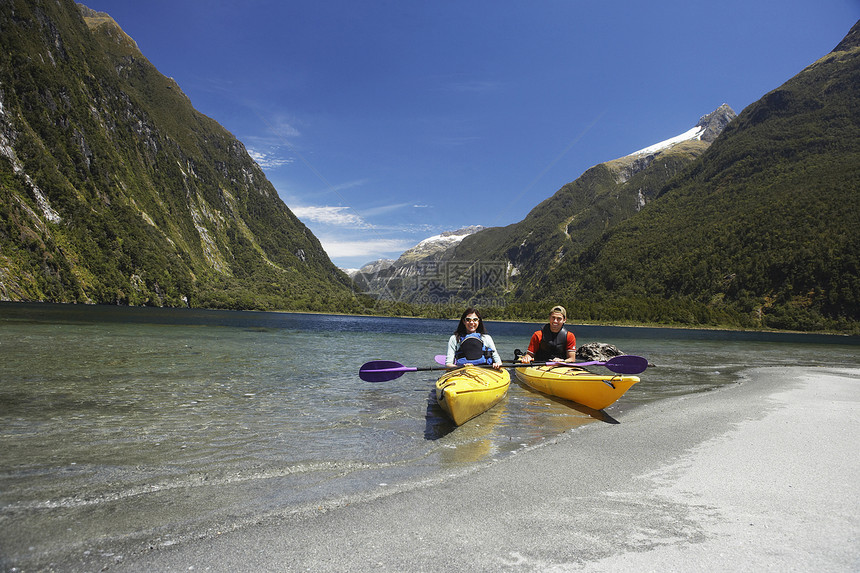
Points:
[(758, 229), (114, 189), (509, 263), (762, 228), (565, 224)]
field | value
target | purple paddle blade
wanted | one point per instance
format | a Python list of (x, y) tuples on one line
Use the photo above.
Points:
[(627, 364), (382, 370)]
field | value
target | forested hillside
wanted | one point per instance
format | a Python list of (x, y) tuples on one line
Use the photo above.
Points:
[(760, 231), (499, 266), (757, 230), (565, 224), (114, 189)]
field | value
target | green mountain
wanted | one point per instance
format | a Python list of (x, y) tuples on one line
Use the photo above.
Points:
[(114, 189), (565, 224), (757, 229), (761, 230), (500, 265)]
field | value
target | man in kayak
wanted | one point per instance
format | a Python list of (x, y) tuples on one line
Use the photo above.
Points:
[(553, 342), (470, 343)]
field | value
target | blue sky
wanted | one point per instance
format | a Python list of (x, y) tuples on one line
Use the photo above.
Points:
[(384, 122)]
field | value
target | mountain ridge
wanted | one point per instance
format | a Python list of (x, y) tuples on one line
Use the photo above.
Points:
[(392, 279), (760, 231), (507, 252), (114, 189), (754, 230), (705, 130)]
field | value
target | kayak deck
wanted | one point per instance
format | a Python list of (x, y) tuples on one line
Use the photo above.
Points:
[(577, 384), (469, 391)]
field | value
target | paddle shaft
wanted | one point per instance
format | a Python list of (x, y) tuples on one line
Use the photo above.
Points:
[(622, 364), (384, 370), (441, 359)]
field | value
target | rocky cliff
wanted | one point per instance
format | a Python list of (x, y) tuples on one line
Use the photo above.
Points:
[(114, 189)]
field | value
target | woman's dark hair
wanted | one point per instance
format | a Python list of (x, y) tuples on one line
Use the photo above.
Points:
[(461, 326)]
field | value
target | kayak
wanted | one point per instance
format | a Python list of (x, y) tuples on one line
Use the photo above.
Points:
[(577, 384), (466, 392)]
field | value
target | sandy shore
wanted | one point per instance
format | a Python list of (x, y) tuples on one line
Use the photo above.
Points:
[(760, 476)]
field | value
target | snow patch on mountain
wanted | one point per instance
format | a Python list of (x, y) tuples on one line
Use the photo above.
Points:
[(448, 238), (691, 134), (431, 248), (707, 129)]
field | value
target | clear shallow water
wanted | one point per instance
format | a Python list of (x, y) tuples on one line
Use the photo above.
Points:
[(122, 428)]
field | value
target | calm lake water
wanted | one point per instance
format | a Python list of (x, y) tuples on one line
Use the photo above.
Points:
[(125, 428)]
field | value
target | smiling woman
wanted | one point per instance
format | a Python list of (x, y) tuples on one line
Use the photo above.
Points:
[(470, 343)]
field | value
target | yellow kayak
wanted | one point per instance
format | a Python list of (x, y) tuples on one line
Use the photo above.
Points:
[(577, 384), (466, 392)]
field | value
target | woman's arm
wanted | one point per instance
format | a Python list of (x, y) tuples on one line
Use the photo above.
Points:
[(488, 342), (452, 350)]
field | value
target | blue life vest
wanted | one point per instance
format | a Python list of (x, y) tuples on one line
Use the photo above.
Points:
[(473, 351)]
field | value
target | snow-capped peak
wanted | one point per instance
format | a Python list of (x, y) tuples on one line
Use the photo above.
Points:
[(441, 240), (689, 135), (449, 237), (707, 129)]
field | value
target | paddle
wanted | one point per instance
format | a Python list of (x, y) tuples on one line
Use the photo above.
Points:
[(385, 370), (623, 364), (441, 359)]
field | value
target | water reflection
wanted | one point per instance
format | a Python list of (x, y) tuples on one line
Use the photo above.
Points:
[(438, 424), (599, 415)]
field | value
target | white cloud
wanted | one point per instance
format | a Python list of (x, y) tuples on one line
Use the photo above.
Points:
[(370, 249), (422, 230), (384, 209), (284, 127), (267, 160), (267, 150), (347, 216), (348, 185), (335, 216)]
